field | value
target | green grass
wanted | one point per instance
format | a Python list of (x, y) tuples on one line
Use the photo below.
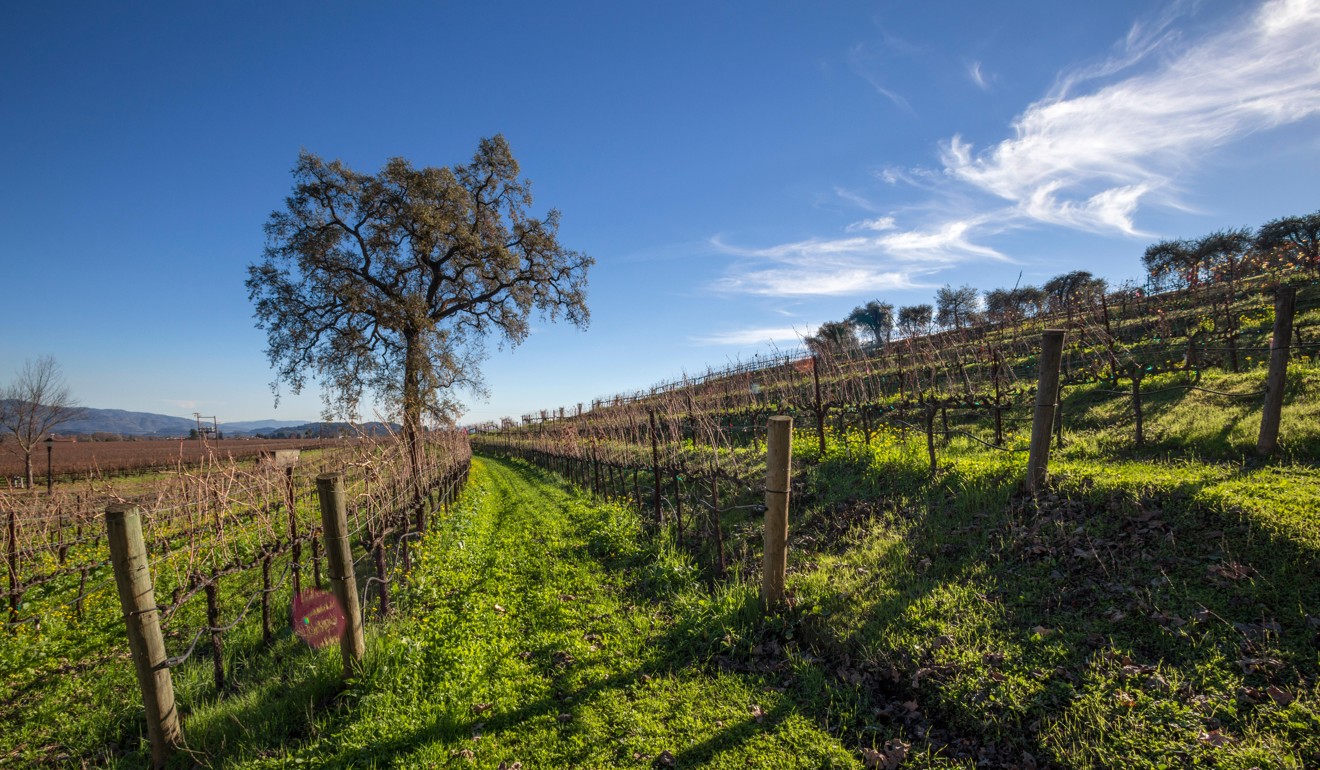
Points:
[(1157, 607), (538, 627), (1138, 615)]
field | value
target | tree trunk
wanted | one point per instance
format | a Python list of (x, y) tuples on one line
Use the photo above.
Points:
[(27, 468), (412, 403)]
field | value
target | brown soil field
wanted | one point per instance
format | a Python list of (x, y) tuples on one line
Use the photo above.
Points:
[(79, 459)]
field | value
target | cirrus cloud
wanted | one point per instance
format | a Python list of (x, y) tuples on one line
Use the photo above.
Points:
[(1109, 139)]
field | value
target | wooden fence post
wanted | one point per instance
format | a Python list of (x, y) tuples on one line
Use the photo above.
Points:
[(1042, 422), (779, 455), (1284, 302), (137, 597), (339, 560)]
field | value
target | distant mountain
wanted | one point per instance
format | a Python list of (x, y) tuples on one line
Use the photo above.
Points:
[(150, 425), (329, 430), (127, 423), (258, 425)]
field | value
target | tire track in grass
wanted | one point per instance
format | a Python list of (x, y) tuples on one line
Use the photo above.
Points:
[(540, 628)]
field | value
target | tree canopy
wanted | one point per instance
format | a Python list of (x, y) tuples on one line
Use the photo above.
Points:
[(393, 282), (876, 318), (833, 338), (955, 307), (914, 320), (1299, 234)]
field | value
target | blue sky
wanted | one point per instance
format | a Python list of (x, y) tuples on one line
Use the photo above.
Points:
[(741, 171)]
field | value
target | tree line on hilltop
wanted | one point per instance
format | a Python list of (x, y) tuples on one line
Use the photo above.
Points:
[(1224, 257)]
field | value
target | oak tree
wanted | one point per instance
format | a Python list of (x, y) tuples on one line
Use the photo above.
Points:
[(392, 283), (876, 318)]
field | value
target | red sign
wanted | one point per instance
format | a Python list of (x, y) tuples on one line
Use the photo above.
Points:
[(317, 617)]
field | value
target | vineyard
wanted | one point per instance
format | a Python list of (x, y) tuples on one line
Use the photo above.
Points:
[(591, 597), (90, 460), (1164, 574), (1125, 357), (229, 545)]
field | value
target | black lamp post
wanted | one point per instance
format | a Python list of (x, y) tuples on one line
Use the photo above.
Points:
[(50, 442)]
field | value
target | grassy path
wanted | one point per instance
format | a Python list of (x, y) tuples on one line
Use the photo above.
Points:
[(538, 629)]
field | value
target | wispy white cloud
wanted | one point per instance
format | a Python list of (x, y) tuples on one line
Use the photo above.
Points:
[(859, 264), (977, 76), (181, 403), (867, 65), (878, 224), (750, 337), (1109, 138), (1087, 160)]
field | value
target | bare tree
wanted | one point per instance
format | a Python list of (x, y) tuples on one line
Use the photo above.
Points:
[(33, 405), (393, 282)]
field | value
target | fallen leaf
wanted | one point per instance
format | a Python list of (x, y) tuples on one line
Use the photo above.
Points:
[(1252, 665), (565, 717), (1279, 696), (480, 708), (499, 609), (1216, 739), (889, 759), (1042, 631), (666, 759), (758, 713)]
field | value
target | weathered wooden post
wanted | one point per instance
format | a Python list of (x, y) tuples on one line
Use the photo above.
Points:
[(779, 454), (339, 558), (1284, 302), (137, 597), (1047, 391)]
